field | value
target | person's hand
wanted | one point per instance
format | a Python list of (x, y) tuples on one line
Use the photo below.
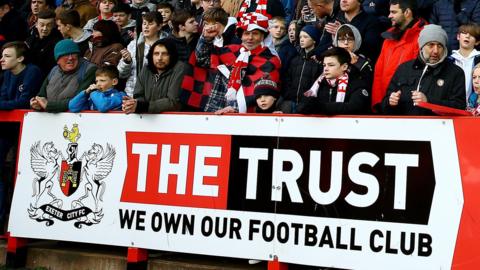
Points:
[(418, 96), (91, 88), (332, 27), (126, 56), (394, 98), (129, 104), (278, 112), (209, 31), (42, 102), (225, 110), (34, 104), (354, 58)]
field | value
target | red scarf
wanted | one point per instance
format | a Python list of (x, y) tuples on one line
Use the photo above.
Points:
[(341, 82), (261, 8)]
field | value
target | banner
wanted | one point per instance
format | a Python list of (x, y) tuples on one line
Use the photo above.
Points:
[(363, 193)]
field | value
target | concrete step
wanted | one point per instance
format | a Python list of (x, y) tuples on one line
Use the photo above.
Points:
[(57, 255)]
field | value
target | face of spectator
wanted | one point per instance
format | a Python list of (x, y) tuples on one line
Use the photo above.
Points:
[(45, 27), (475, 82), (332, 68), (291, 32), (191, 26), (252, 39), (319, 8), (121, 18), (265, 102), (349, 5), (150, 29), (106, 6), (346, 42), (208, 4), (277, 29), (467, 41), (213, 27), (68, 63), (306, 42), (104, 82), (63, 28), (397, 16), (4, 10), (9, 59), (37, 6), (161, 57), (433, 52), (166, 14)]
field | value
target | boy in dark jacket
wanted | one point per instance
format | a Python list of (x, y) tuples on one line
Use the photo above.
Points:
[(336, 91)]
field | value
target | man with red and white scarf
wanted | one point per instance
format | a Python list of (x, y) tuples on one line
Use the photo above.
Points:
[(338, 90), (238, 67)]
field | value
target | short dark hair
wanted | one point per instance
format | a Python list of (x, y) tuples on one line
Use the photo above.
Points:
[(345, 31), (153, 16), (109, 71), (216, 14), (71, 17), (180, 17), (122, 7), (46, 14), (21, 49), (342, 55), (165, 5), (404, 4)]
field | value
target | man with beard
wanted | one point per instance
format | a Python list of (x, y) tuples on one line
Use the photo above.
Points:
[(71, 75), (400, 45), (428, 78), (42, 40), (158, 84)]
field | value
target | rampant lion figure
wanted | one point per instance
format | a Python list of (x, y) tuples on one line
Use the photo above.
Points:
[(45, 163)]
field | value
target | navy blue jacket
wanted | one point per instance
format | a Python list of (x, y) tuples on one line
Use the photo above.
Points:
[(17, 90)]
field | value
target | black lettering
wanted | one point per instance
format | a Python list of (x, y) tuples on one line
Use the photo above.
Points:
[(374, 247), (338, 239), (220, 230), (235, 226), (388, 248), (403, 243), (326, 238), (268, 225), (188, 224), (282, 237), (310, 235), (126, 218), (296, 228), (252, 229), (140, 225), (172, 222), (352, 240), (156, 222), (207, 226), (424, 244)]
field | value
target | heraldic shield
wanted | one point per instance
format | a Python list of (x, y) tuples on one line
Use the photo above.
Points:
[(70, 177)]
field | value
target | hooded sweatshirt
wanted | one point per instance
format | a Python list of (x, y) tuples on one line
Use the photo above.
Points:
[(467, 64)]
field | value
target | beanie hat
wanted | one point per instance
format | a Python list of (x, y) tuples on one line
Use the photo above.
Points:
[(433, 32), (64, 47), (356, 36), (266, 86), (312, 31)]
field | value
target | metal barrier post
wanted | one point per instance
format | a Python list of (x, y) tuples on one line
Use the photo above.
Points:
[(137, 259), (16, 252)]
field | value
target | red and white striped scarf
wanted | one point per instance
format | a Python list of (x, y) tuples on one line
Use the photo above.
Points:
[(261, 8), (341, 82)]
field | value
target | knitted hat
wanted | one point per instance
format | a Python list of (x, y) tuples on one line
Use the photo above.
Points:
[(266, 86), (429, 33), (312, 31), (64, 47)]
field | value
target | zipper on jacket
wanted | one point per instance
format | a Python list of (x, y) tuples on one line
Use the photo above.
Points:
[(300, 81)]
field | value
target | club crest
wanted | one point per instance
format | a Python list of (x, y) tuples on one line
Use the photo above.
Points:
[(71, 188)]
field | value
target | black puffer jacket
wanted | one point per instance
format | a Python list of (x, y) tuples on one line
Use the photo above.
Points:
[(443, 85), (357, 99), (299, 77)]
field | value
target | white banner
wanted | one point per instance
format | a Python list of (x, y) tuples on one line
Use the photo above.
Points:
[(363, 193)]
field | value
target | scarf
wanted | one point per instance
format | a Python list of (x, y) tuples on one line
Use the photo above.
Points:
[(261, 8), (341, 82)]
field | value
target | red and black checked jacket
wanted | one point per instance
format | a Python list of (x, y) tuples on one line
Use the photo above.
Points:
[(200, 76)]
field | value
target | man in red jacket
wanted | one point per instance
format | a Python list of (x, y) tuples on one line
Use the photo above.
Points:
[(400, 45)]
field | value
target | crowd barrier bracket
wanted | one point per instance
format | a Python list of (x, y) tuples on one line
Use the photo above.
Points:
[(137, 259), (16, 252)]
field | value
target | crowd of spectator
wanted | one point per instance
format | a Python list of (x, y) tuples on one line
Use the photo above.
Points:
[(284, 56)]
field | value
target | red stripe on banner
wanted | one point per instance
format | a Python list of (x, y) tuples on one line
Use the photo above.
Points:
[(192, 172)]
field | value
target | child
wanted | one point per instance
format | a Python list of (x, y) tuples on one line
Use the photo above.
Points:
[(349, 38), (301, 72), (286, 51), (166, 9), (266, 95), (473, 98), (467, 56), (100, 96)]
